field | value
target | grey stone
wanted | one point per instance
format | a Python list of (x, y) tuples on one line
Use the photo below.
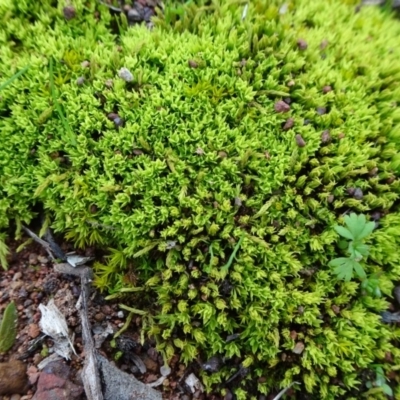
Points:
[(118, 385)]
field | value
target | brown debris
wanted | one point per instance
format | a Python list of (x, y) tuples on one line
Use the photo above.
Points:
[(300, 141), (33, 331), (302, 44), (288, 124), (112, 116), (326, 89), (13, 378), (336, 309), (69, 12), (222, 154), (281, 107), (325, 136)]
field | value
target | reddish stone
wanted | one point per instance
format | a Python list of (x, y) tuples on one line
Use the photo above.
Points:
[(54, 384)]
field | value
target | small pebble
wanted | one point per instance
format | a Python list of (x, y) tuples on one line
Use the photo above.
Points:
[(199, 151), (288, 124), (118, 122), (373, 172), (193, 64), (165, 370), (326, 89), (358, 194), (287, 100), (300, 141), (281, 107), (325, 136), (76, 291), (222, 154), (80, 81), (291, 83), (109, 83), (17, 276), (13, 377), (125, 74), (33, 331), (33, 374), (331, 197), (69, 12), (335, 309), (99, 317), (120, 314), (33, 259), (134, 15), (85, 64), (212, 365), (299, 348), (106, 310), (148, 12), (153, 353), (37, 358), (43, 259), (321, 110), (302, 44), (112, 116)]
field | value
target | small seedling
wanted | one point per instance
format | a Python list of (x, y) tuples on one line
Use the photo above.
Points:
[(356, 230), (8, 328), (380, 381), (371, 285), (233, 255)]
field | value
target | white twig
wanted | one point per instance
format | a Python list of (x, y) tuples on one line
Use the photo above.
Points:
[(283, 391), (110, 6)]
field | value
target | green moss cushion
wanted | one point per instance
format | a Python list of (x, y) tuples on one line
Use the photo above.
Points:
[(241, 140)]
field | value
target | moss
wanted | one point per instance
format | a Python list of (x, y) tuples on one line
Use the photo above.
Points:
[(208, 159)]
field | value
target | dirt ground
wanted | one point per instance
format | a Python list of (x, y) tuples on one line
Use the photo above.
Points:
[(30, 281)]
